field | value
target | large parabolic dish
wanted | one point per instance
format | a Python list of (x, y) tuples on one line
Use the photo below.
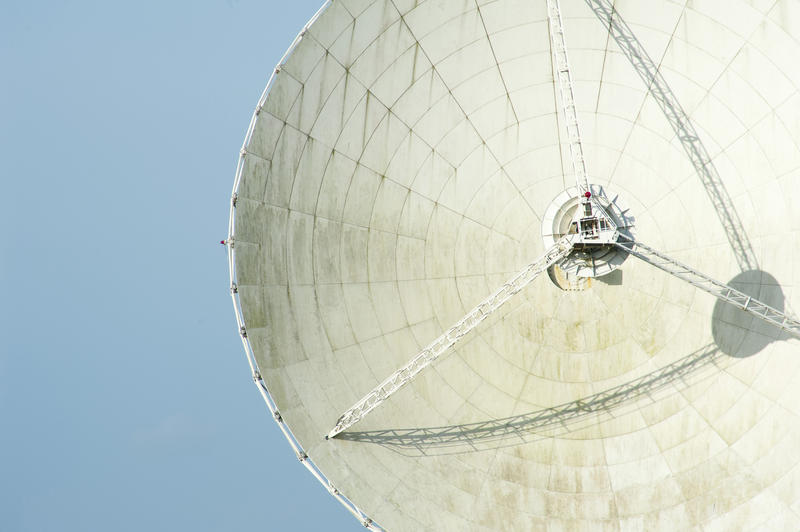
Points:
[(409, 156)]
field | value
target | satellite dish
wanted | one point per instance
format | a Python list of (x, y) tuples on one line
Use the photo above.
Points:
[(420, 168)]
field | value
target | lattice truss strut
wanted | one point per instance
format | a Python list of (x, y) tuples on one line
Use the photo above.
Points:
[(480, 312), (567, 94), (563, 77), (720, 290)]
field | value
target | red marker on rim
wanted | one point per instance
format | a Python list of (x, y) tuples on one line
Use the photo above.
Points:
[(587, 194)]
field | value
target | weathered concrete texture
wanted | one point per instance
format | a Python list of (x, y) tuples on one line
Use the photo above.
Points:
[(398, 173)]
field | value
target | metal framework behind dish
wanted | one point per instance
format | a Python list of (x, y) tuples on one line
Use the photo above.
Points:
[(237, 307)]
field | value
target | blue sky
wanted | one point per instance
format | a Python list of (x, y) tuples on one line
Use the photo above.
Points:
[(125, 397)]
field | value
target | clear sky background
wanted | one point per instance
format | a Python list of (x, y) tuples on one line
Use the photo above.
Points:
[(125, 396)]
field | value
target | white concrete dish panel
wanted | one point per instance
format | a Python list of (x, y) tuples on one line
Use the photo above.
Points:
[(400, 169)]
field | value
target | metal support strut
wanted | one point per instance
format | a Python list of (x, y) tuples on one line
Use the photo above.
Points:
[(713, 287), (475, 316), (595, 226), (564, 77)]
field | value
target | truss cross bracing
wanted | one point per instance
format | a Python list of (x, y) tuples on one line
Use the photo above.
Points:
[(570, 113), (713, 287), (480, 312)]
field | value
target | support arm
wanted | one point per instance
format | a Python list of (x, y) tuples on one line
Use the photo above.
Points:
[(590, 227), (564, 78), (713, 287), (425, 357)]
